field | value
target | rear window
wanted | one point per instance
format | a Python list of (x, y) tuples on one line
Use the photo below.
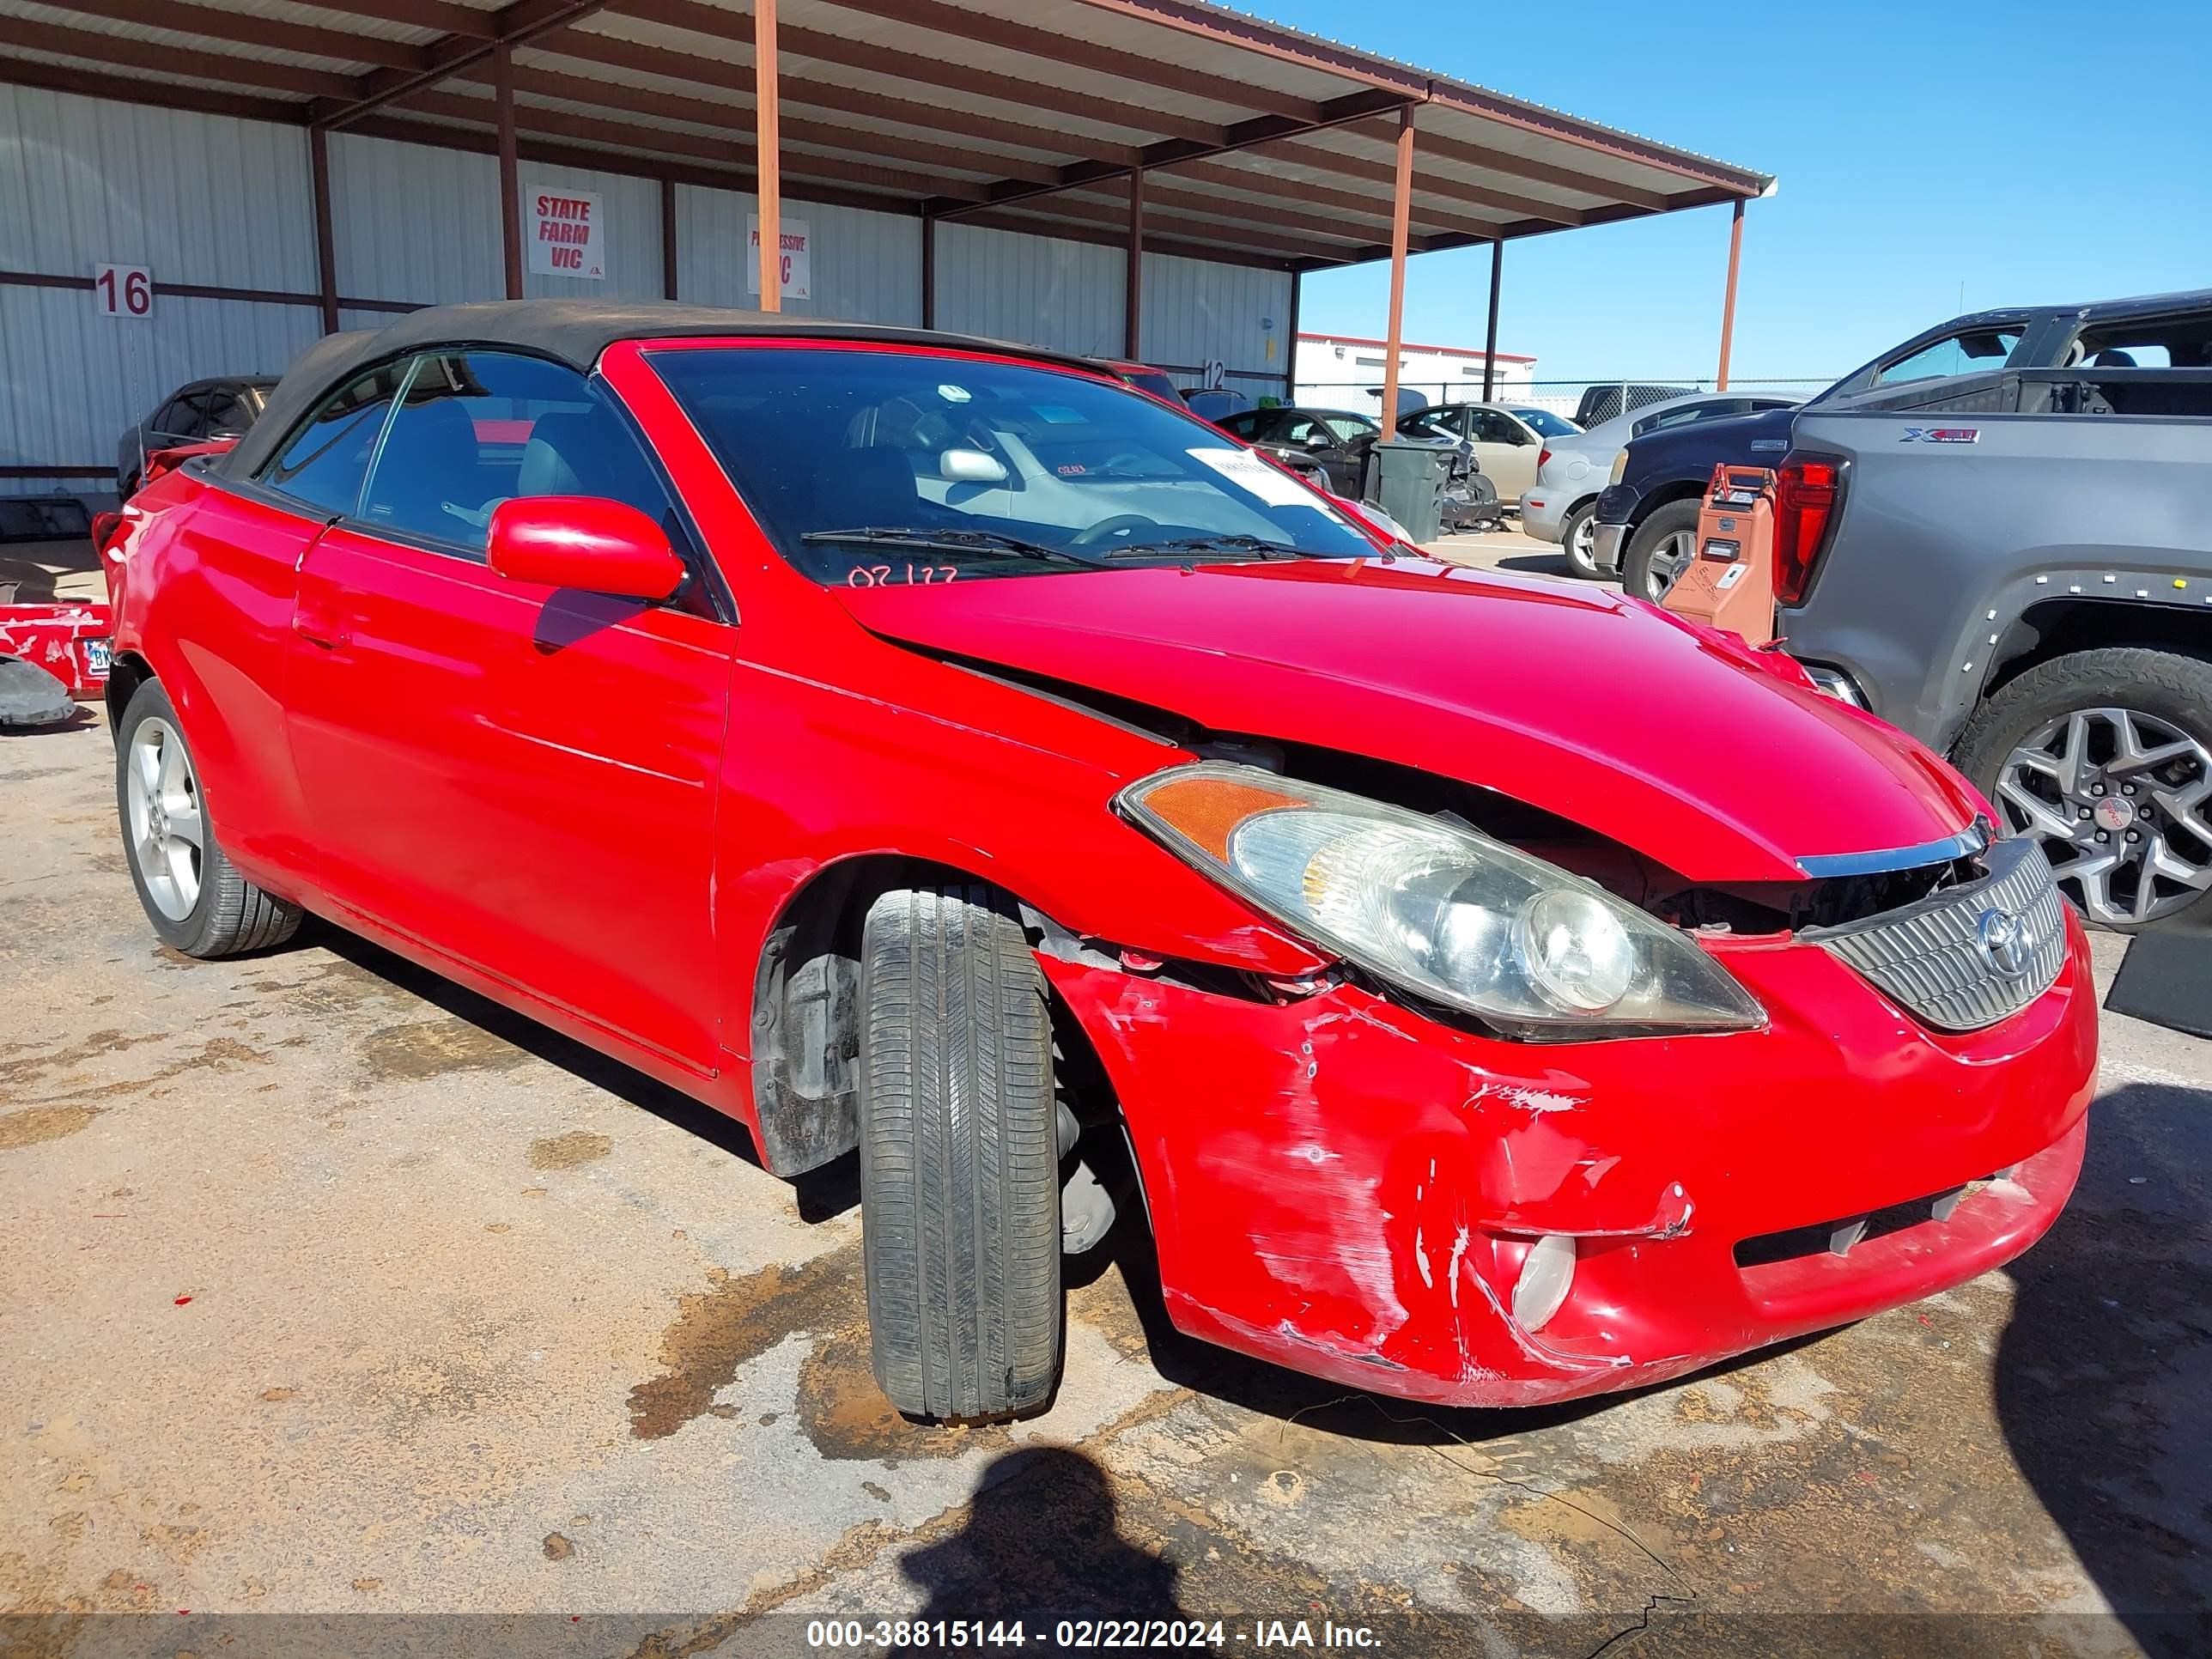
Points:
[(853, 460)]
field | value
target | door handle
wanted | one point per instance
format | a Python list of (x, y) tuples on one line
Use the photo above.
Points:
[(319, 633)]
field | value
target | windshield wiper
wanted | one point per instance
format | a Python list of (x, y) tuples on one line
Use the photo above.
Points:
[(1257, 544), (948, 541)]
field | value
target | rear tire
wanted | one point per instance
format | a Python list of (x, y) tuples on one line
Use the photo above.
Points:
[(959, 1155), (2055, 745), (193, 893), (1578, 540), (1656, 552)]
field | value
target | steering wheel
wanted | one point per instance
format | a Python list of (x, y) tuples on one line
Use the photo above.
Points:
[(1105, 530)]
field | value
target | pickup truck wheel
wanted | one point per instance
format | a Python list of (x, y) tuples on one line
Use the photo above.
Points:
[(1578, 540), (193, 893), (1662, 544), (2105, 758), (959, 1155)]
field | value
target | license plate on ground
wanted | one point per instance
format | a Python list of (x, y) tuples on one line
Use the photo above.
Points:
[(96, 658)]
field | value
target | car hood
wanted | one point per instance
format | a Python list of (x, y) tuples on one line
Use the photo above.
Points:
[(1597, 708)]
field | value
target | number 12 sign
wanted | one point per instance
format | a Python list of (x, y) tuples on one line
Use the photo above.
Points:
[(122, 291)]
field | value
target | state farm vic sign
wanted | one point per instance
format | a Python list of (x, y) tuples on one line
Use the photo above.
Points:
[(566, 236)]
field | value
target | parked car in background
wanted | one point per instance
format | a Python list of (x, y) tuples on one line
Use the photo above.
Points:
[(1571, 470), (1333, 442), (1079, 786), (1610, 399), (1216, 403), (223, 407), (1506, 440), (1641, 523), (2015, 566), (1143, 376)]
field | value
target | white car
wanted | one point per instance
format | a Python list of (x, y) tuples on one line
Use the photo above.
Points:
[(1505, 439), (1559, 506)]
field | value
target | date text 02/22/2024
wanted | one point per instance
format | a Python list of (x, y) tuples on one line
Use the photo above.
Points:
[(1216, 1635)]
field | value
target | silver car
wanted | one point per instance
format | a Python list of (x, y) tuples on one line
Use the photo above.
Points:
[(1560, 506)]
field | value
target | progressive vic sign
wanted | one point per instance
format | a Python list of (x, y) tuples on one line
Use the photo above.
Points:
[(566, 235)]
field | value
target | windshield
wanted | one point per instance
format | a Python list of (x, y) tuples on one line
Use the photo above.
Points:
[(867, 467), (1544, 424)]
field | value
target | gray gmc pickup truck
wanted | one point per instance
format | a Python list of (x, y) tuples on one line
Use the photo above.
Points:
[(2015, 566)]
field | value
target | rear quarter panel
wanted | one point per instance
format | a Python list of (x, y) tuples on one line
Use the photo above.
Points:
[(1940, 547), (206, 591)]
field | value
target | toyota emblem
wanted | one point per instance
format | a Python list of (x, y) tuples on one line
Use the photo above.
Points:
[(2006, 942)]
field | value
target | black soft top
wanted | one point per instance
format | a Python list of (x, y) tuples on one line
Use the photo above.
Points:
[(573, 332)]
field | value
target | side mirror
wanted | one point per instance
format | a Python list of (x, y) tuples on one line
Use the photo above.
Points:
[(582, 542)]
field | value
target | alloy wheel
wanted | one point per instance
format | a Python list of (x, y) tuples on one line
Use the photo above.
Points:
[(1668, 560), (169, 830), (1584, 548), (2117, 797)]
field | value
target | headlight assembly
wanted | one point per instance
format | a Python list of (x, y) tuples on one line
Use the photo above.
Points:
[(1438, 909)]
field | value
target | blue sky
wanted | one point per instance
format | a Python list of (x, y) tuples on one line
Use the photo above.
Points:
[(2019, 153)]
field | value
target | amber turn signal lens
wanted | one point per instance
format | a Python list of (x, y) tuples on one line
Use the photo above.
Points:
[(1205, 809)]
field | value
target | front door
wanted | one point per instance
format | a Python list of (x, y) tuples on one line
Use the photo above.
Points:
[(523, 778)]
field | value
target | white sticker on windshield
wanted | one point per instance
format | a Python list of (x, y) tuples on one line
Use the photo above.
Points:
[(954, 394), (1244, 468)]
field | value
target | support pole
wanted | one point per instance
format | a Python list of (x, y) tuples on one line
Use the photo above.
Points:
[(326, 255), (1402, 215), (766, 139), (1291, 344), (1490, 339), (1728, 305), (668, 238), (510, 178), (929, 270), (1133, 294)]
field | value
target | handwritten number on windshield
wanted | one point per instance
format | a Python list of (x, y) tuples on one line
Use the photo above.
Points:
[(883, 575)]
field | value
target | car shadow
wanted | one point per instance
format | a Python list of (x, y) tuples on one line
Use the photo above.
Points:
[(2105, 1369), (821, 1194), (1042, 1538)]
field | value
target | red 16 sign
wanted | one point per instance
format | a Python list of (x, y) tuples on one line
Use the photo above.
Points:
[(123, 290)]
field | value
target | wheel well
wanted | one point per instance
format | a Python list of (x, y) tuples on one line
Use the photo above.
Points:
[(2059, 628), (806, 1016), (1665, 494), (124, 675)]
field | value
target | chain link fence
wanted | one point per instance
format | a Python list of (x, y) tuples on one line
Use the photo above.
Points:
[(1364, 394)]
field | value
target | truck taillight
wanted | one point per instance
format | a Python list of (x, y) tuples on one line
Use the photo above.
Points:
[(1804, 505)]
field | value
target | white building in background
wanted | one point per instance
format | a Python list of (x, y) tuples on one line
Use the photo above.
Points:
[(1345, 371)]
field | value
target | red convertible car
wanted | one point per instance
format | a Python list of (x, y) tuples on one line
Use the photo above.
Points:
[(1501, 991)]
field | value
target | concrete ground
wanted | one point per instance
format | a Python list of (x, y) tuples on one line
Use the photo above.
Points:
[(333, 1298)]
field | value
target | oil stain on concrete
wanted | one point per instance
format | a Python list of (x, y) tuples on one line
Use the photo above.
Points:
[(38, 1123), (567, 1152), (435, 1048)]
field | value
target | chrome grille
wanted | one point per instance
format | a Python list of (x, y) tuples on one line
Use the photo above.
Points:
[(1935, 958)]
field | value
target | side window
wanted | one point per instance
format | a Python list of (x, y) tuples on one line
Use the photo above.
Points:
[(1244, 426), (1962, 354), (1492, 427), (326, 462), (1307, 433), (181, 417), (478, 428), (1431, 423), (226, 412)]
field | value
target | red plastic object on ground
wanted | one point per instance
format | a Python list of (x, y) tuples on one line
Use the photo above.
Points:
[(69, 641)]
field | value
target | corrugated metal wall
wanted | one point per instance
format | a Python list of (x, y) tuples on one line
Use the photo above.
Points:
[(86, 182), (866, 267), (1013, 286), (1195, 311), (203, 199)]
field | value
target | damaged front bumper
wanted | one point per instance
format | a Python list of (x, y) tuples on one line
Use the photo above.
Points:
[(1343, 1186)]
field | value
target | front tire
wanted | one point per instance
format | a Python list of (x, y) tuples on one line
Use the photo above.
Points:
[(193, 893), (1660, 550), (2105, 757), (959, 1155)]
